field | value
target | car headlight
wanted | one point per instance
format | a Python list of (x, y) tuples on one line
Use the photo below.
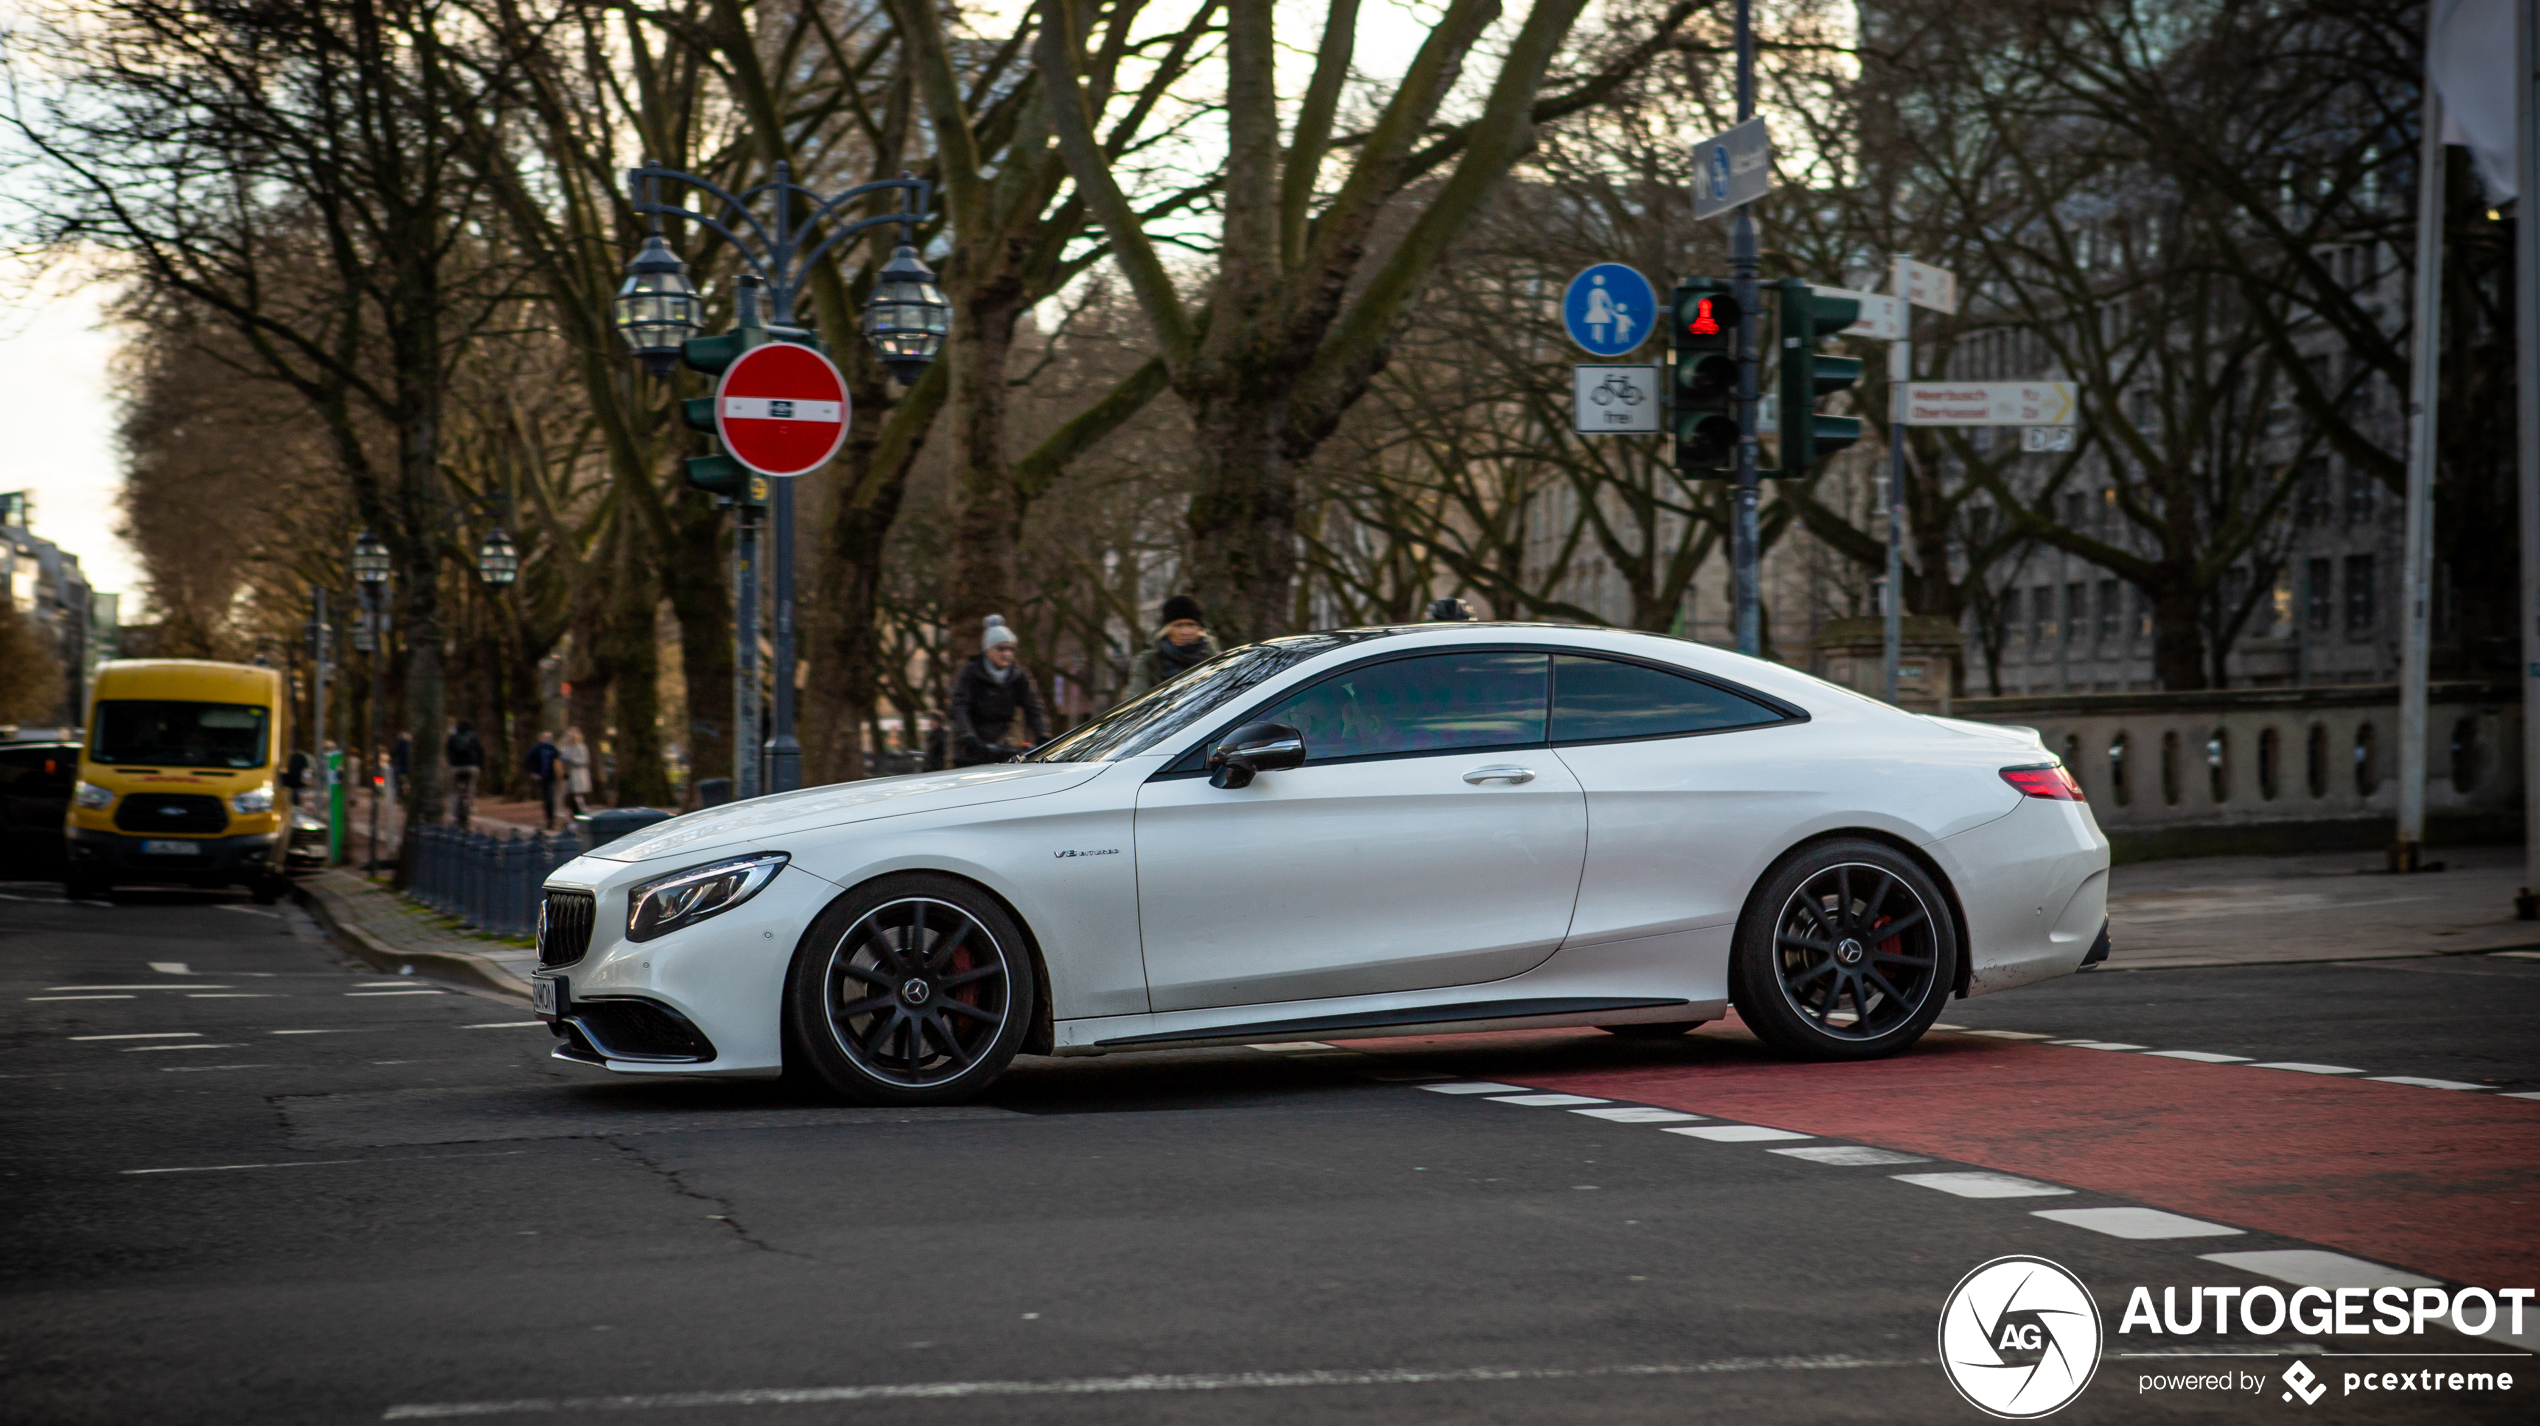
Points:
[(254, 799), (93, 797), (683, 898)]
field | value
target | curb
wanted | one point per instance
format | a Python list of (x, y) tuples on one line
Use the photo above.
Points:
[(460, 966)]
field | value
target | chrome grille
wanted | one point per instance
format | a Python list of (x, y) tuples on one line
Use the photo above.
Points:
[(564, 927)]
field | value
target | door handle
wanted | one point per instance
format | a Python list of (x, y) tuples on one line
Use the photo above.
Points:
[(1502, 773)]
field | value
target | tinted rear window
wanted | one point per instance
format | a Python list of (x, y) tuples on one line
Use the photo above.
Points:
[(1601, 700)]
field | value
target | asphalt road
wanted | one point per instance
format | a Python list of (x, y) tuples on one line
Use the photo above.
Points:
[(248, 1181)]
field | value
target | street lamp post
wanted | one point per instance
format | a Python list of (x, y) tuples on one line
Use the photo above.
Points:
[(370, 571), (658, 314)]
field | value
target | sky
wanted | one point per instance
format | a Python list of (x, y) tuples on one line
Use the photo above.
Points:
[(57, 402)]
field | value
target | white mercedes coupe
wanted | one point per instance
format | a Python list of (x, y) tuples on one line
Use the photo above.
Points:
[(1392, 831)]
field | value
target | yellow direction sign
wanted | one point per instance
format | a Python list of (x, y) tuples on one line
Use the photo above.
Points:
[(1986, 403)]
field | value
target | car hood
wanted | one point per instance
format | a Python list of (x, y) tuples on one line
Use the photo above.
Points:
[(763, 820)]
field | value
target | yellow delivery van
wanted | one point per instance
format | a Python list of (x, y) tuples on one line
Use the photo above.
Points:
[(183, 779)]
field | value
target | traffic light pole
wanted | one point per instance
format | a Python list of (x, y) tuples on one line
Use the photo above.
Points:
[(745, 749), (1744, 250)]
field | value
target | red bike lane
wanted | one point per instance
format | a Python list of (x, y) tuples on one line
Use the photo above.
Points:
[(2444, 1182)]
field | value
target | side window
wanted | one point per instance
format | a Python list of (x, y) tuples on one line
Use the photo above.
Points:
[(20, 772), (1601, 700), (1434, 703)]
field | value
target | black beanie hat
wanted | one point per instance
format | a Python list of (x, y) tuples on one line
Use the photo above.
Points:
[(1182, 606)]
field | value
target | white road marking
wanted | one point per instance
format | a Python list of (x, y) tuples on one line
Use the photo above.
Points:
[(1737, 1133), (154, 985), (2008, 1034), (12, 896), (1981, 1185), (2315, 1267), (2202, 1057), (376, 994), (1545, 1101), (147, 1035), (2518, 955), (1938, 1026), (504, 1025), (2299, 1067), (250, 911), (1105, 1386), (51, 999), (171, 968), (227, 995), (382, 984), (1639, 1114), (136, 1049), (2136, 1223), (199, 1069), (2095, 1045), (2423, 1083), (1850, 1154), (356, 1030), (1475, 1087)]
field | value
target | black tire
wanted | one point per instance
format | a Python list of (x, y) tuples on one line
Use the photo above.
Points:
[(1667, 1031), (912, 989), (84, 886), (269, 888), (1809, 976)]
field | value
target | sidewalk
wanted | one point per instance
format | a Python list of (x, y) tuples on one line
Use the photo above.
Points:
[(393, 934), (2320, 906)]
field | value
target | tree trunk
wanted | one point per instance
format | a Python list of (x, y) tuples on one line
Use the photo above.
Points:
[(634, 661), (1243, 519), (2178, 634), (701, 600), (987, 514)]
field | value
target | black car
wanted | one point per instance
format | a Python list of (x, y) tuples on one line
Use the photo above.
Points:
[(35, 800)]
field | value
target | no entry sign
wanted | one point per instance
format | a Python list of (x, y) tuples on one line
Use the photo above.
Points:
[(781, 409)]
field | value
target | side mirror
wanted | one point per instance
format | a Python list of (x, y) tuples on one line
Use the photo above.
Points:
[(1252, 749), (296, 776)]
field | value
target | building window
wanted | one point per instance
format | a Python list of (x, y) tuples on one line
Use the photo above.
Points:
[(2312, 503), (2363, 607), (2041, 615), (2319, 591), (2362, 493), (2110, 618), (2076, 610)]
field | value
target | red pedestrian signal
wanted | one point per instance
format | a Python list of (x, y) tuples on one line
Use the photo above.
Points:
[(1704, 324)]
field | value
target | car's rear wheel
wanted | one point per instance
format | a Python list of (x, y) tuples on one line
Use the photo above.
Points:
[(914, 989), (1847, 952)]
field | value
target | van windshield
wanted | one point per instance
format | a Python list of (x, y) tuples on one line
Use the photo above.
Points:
[(153, 731)]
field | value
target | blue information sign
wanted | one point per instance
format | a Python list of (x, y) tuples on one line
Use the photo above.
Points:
[(1609, 309)]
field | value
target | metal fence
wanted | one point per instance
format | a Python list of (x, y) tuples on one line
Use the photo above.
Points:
[(490, 882)]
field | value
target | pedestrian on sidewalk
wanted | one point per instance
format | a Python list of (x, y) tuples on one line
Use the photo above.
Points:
[(991, 688), (467, 758), (1180, 645), (577, 771), (543, 764)]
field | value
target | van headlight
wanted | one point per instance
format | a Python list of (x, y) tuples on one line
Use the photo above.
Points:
[(254, 799), (93, 797), (683, 898)]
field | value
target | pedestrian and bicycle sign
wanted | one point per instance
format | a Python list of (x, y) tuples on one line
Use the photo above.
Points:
[(1732, 169), (1609, 309), (1614, 400), (781, 409)]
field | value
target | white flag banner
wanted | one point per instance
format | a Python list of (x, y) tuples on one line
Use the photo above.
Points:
[(2469, 58)]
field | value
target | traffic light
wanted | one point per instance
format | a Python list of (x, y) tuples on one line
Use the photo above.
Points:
[(1807, 374), (1704, 337), (721, 475)]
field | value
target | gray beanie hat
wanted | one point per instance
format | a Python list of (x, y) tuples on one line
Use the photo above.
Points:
[(996, 633)]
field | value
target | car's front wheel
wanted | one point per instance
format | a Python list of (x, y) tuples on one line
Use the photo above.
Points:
[(913, 989), (1847, 952)]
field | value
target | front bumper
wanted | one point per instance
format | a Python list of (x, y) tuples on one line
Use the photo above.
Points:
[(706, 1000), (119, 857)]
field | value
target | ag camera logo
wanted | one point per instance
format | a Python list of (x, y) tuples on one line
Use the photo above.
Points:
[(2019, 1338)]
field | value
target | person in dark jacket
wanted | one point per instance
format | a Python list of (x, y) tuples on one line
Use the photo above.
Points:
[(466, 753), (544, 763), (1182, 644), (986, 695)]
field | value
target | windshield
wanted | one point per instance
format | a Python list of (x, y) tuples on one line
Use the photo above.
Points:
[(1182, 702), (163, 731)]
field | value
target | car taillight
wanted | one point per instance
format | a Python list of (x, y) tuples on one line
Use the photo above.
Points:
[(2053, 781)]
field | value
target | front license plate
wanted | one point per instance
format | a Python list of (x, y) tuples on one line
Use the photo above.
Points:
[(542, 997), (171, 849)]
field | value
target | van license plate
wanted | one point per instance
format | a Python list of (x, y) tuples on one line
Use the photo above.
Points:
[(171, 849), (542, 997)]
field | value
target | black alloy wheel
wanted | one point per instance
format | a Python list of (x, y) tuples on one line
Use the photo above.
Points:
[(1848, 951), (911, 990)]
